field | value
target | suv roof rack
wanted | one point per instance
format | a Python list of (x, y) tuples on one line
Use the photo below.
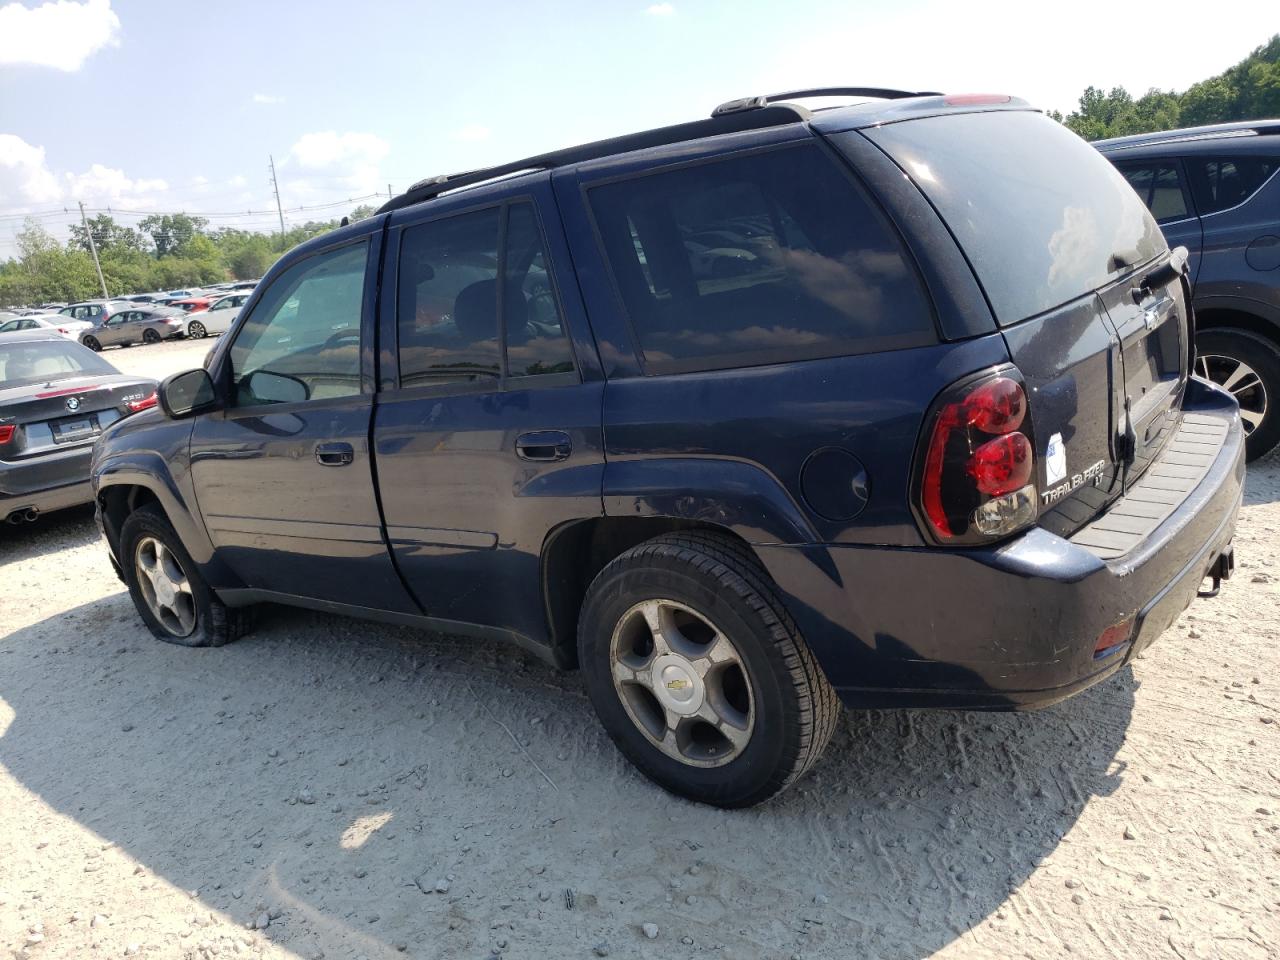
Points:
[(748, 113), (771, 116), (759, 103)]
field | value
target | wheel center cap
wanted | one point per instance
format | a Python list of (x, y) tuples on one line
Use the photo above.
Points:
[(677, 684), (164, 590)]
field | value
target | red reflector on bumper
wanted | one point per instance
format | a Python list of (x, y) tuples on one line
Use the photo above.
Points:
[(1112, 637)]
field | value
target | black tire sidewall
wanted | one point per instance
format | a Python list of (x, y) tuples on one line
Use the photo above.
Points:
[(1263, 356), (771, 754), (147, 521), (151, 337)]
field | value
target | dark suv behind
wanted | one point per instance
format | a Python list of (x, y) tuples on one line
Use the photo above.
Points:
[(886, 404), (1215, 191)]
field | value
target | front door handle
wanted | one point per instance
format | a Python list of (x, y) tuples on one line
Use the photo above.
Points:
[(544, 445), (334, 454)]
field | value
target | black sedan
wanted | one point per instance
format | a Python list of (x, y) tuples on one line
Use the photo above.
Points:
[(56, 396)]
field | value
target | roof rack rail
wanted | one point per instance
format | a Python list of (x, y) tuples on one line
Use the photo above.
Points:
[(770, 116), (758, 103)]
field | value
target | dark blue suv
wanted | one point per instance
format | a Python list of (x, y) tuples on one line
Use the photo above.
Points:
[(1216, 191), (886, 404)]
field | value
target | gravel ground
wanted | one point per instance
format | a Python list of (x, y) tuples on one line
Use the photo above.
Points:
[(327, 787)]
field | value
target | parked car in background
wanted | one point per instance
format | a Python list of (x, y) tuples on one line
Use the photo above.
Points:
[(245, 285), (59, 324), (191, 304), (1215, 190), (93, 310), (141, 297), (56, 397), (135, 325), (218, 318), (716, 484)]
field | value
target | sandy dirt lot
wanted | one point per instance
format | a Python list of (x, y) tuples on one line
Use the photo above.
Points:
[(331, 788)]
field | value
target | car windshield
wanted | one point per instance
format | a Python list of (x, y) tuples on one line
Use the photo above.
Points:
[(44, 361)]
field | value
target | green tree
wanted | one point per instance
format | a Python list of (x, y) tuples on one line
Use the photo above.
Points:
[(107, 234), (1250, 90), (171, 232), (362, 212)]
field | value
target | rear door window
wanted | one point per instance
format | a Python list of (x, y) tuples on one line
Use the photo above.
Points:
[(1219, 184), (448, 300), (1160, 187), (1042, 216), (757, 258)]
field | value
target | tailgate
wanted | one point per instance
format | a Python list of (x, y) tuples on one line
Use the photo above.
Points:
[(1055, 236), (1152, 323)]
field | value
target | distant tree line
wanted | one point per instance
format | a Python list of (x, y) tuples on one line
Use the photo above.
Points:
[(1248, 91), (163, 252)]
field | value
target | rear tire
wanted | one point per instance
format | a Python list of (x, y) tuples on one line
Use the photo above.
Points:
[(1248, 365), (93, 344), (151, 554), (774, 711), (150, 336)]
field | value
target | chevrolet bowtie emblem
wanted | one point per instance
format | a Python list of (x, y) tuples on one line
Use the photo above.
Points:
[(677, 684)]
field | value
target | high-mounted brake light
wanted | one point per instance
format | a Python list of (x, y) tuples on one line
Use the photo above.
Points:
[(976, 99), (6, 432), (146, 403), (978, 477)]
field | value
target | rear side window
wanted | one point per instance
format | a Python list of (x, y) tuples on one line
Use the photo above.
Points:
[(1159, 185), (448, 301), (757, 258), (1041, 215), (1220, 184)]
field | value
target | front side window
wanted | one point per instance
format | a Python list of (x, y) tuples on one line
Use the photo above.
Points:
[(303, 340), (755, 259), (1220, 184), (448, 296), (1160, 187)]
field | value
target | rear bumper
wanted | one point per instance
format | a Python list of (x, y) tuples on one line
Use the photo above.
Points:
[(1014, 626), (51, 481)]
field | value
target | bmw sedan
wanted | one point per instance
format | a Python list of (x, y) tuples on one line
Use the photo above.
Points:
[(55, 398)]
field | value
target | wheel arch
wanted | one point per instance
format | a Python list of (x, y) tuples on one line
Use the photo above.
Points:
[(1216, 313), (574, 553)]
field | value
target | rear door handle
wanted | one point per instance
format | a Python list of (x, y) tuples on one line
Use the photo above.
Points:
[(334, 454), (544, 445)]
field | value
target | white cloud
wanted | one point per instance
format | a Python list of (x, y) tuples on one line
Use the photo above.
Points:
[(267, 98), (472, 134), (660, 10), (61, 34), (107, 186), (23, 174), (320, 150), (26, 179)]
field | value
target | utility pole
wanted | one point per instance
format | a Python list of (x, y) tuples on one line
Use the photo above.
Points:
[(389, 193), (93, 248), (276, 187)]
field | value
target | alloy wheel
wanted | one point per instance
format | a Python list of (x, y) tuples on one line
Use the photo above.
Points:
[(150, 336), (1242, 381), (93, 344), (165, 587), (196, 329), (683, 683)]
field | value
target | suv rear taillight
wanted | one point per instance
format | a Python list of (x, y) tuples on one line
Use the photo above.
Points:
[(6, 432), (977, 481)]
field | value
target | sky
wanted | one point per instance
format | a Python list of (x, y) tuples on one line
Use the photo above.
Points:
[(176, 105)]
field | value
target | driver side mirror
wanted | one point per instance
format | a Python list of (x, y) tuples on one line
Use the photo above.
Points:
[(186, 394)]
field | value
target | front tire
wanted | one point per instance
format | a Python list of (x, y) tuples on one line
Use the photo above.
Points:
[(196, 330), (171, 597), (1248, 366), (93, 344), (698, 673)]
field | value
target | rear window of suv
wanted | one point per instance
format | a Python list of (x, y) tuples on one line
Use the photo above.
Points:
[(1223, 183), (757, 258), (1041, 215)]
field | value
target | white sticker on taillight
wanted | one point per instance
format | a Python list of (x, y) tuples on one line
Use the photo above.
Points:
[(1055, 460)]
